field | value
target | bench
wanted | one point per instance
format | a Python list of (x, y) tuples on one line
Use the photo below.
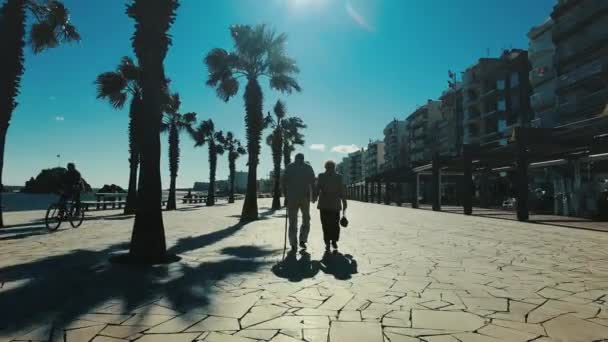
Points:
[(194, 199)]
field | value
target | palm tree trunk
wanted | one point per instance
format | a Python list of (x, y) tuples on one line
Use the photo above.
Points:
[(2, 143), (232, 167), (173, 165), (286, 155), (12, 31), (212, 170), (134, 121), (254, 125), (276, 156), (150, 42), (132, 191)]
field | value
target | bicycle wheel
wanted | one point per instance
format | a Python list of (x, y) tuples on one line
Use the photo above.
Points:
[(76, 215), (52, 218)]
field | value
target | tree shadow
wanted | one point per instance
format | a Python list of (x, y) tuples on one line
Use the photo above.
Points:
[(341, 266), (39, 231), (247, 251), (8, 229), (294, 269), (43, 290)]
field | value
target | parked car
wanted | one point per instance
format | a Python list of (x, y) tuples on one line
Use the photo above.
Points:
[(509, 203)]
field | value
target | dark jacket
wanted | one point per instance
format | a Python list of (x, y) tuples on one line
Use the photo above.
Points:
[(330, 191)]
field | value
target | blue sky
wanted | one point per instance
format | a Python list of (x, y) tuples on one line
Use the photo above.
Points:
[(363, 63)]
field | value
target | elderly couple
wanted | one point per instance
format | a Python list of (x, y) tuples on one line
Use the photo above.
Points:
[(300, 189)]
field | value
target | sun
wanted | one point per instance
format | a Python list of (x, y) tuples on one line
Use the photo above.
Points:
[(305, 4)]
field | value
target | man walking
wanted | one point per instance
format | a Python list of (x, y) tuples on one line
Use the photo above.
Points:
[(298, 182)]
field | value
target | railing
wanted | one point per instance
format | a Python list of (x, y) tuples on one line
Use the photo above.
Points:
[(582, 73), (577, 16), (542, 99), (537, 77), (585, 106)]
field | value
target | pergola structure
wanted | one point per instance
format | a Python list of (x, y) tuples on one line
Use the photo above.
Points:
[(528, 148)]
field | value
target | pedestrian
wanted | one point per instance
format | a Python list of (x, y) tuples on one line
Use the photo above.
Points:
[(298, 183), (330, 193)]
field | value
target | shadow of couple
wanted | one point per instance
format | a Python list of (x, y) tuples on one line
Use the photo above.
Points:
[(295, 269)]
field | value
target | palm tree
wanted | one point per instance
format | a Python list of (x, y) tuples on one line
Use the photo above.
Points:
[(50, 26), (258, 52), (205, 134), (174, 123), (116, 86), (275, 141), (235, 150), (291, 137), (150, 42)]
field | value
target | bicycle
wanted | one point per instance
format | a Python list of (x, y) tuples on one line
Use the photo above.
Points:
[(60, 211)]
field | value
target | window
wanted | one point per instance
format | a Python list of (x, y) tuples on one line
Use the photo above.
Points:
[(500, 84), (514, 80), (501, 105), (502, 125)]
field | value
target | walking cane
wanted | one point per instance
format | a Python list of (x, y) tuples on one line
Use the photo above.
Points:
[(285, 241)]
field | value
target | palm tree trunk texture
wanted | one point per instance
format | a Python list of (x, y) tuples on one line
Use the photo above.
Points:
[(12, 31), (212, 170), (134, 113), (2, 143), (286, 156), (276, 156), (131, 203), (254, 125), (148, 239), (173, 165), (232, 167)]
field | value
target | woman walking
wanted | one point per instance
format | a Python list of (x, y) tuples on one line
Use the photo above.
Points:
[(331, 195)]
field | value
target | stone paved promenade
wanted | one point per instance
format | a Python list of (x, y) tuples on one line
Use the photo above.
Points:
[(402, 275)]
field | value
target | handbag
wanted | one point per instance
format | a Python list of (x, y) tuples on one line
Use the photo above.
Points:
[(344, 220)]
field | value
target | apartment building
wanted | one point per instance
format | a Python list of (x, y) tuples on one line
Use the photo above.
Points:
[(543, 78), (579, 32), (395, 144), (423, 138), (496, 94)]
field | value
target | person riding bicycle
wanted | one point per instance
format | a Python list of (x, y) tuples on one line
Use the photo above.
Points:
[(71, 184)]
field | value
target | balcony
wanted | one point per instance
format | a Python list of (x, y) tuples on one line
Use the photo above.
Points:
[(584, 42), (541, 75), (491, 112), (577, 16), (542, 100), (584, 107), (582, 73), (489, 93)]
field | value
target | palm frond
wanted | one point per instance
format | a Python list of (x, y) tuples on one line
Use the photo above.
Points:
[(227, 88), (207, 127), (188, 119), (269, 121), (284, 83), (42, 37), (230, 137), (198, 136), (280, 110), (270, 139), (52, 27), (219, 149), (129, 69), (112, 85)]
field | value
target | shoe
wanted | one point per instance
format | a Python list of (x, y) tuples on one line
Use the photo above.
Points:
[(334, 244), (294, 248), (327, 246), (303, 244)]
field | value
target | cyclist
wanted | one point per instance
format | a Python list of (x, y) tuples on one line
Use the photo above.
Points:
[(71, 184)]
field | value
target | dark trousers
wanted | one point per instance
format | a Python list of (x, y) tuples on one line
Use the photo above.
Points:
[(330, 220)]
